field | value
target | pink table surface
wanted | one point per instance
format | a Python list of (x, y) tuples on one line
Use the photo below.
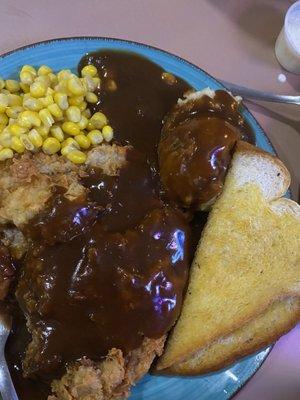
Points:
[(232, 40)]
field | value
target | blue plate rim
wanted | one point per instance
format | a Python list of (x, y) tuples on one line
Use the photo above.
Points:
[(182, 60)]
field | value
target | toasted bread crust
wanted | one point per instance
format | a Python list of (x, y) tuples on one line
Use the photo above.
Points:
[(244, 148)]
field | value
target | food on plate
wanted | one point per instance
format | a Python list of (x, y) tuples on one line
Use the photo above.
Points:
[(278, 318), (75, 222), (49, 112), (245, 276), (95, 245), (102, 182), (195, 149), (109, 379)]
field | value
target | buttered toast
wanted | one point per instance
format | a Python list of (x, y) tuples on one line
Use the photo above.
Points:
[(259, 332), (245, 278)]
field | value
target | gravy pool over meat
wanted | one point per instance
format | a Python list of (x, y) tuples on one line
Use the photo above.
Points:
[(134, 257)]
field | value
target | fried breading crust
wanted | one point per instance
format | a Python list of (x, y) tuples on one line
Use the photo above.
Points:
[(110, 379), (28, 181)]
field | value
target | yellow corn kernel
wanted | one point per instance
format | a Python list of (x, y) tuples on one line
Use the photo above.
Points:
[(17, 145), (86, 113), (83, 123), (27, 77), (91, 97), (2, 127), (29, 118), (73, 114), (51, 145), (90, 126), (88, 83), (12, 86), (82, 106), (5, 138), (3, 119), (35, 138), (50, 91), (57, 133), (75, 86), (33, 104), (61, 99), (38, 89), (47, 100), (2, 84), (64, 74), (97, 82), (3, 102), (14, 100), (26, 142), (29, 68), (95, 137), (83, 141), (71, 128), (16, 130), (62, 87), (76, 100), (13, 112), (43, 130), (70, 142), (27, 96), (6, 129), (44, 80), (44, 70), (53, 78), (25, 87), (65, 150), (12, 121), (46, 117), (6, 154), (107, 133), (90, 70), (98, 120), (76, 157), (55, 111)]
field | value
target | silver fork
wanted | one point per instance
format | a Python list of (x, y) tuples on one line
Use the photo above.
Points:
[(258, 95), (6, 385)]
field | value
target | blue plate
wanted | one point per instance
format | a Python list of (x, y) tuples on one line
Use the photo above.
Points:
[(66, 53)]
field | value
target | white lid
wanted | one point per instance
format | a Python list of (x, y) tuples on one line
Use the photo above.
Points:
[(292, 26)]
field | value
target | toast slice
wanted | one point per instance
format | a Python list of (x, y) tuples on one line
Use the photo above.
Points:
[(247, 260), (280, 317)]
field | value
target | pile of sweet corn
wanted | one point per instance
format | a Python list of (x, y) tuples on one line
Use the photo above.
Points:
[(47, 111)]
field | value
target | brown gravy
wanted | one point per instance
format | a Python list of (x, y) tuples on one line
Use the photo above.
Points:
[(105, 278), (195, 148), (140, 101)]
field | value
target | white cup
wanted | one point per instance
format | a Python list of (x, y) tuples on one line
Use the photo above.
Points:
[(287, 47)]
